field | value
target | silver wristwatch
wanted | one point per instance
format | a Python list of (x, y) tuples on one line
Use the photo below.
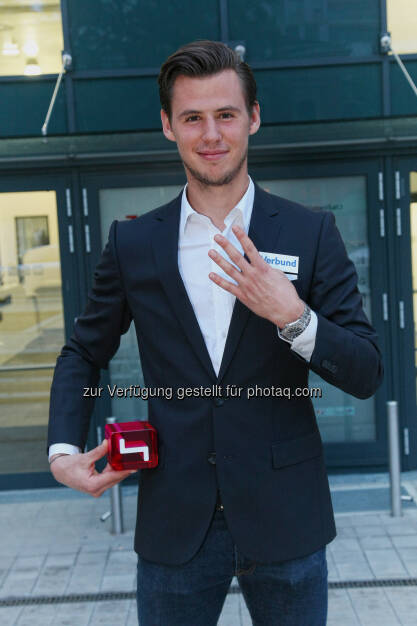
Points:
[(293, 329)]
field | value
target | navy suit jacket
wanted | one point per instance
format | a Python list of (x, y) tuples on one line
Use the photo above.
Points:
[(269, 457)]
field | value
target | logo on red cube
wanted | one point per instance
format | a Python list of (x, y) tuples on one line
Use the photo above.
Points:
[(132, 445)]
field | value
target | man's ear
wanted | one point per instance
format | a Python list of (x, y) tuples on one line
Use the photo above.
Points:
[(166, 126), (255, 119)]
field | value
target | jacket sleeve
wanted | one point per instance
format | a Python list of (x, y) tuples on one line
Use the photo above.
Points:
[(346, 352), (95, 340)]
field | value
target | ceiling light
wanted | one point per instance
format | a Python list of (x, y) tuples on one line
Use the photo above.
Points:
[(32, 68), (10, 49), (31, 48)]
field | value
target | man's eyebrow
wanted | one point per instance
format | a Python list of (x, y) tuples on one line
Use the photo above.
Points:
[(195, 112)]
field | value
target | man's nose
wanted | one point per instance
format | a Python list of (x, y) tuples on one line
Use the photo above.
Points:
[(211, 130)]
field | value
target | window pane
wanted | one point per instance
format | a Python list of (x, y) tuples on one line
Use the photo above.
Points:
[(109, 34), (292, 29), (341, 417), (402, 24), (30, 37), (31, 326), (413, 230)]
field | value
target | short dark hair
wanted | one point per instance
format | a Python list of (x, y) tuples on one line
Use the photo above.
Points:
[(204, 58)]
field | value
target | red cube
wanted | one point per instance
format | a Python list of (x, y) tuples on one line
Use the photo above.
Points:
[(132, 445)]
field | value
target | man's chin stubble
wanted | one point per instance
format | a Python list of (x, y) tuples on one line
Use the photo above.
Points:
[(216, 182)]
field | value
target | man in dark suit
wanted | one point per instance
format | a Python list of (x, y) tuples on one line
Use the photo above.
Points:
[(235, 294)]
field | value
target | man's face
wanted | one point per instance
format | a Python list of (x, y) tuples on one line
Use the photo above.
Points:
[(211, 125)]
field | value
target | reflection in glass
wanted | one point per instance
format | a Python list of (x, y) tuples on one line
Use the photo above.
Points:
[(402, 24), (413, 231), (30, 37), (341, 417), (125, 368), (31, 325)]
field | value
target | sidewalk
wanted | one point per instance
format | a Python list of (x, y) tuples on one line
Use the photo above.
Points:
[(53, 544)]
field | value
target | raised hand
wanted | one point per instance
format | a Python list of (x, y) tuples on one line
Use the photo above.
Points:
[(264, 290)]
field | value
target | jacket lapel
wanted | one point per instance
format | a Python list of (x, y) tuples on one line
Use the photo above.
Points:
[(165, 250), (264, 229)]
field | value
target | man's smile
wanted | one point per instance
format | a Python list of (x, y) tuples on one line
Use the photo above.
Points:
[(212, 155)]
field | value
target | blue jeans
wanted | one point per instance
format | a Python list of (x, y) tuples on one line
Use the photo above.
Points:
[(290, 593)]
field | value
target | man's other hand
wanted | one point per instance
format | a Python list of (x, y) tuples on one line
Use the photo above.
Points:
[(78, 471)]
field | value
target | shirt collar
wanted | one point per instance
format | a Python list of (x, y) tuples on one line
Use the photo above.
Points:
[(243, 207)]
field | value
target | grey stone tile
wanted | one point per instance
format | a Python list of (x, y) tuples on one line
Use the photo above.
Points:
[(358, 558), (92, 558), (403, 541), (37, 615), (341, 611), (366, 520), (71, 614), (346, 532), (345, 545), (385, 563), (60, 560), (401, 528), (371, 531), (17, 584), (112, 612), (85, 579), (9, 615), (132, 615), (343, 520), (118, 583), (333, 572), (355, 571), (368, 543), (404, 602), (373, 607)]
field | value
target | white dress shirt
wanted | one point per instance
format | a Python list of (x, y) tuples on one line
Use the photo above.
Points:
[(213, 306)]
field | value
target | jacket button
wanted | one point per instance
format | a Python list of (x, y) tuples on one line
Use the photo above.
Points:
[(212, 458), (218, 401)]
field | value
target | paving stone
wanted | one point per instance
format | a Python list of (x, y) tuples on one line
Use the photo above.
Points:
[(118, 583), (132, 615), (355, 571), (403, 541), (386, 563), (37, 615), (366, 520), (404, 602), (371, 531), (346, 532), (368, 543), (112, 612), (341, 611), (73, 614), (9, 615), (345, 545), (373, 607)]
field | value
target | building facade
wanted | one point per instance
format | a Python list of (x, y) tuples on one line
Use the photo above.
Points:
[(339, 132)]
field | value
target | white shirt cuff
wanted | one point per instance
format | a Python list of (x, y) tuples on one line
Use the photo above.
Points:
[(305, 342), (67, 448)]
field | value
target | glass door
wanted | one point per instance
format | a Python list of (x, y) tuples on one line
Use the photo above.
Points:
[(353, 430), (32, 326), (403, 267), (121, 197)]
